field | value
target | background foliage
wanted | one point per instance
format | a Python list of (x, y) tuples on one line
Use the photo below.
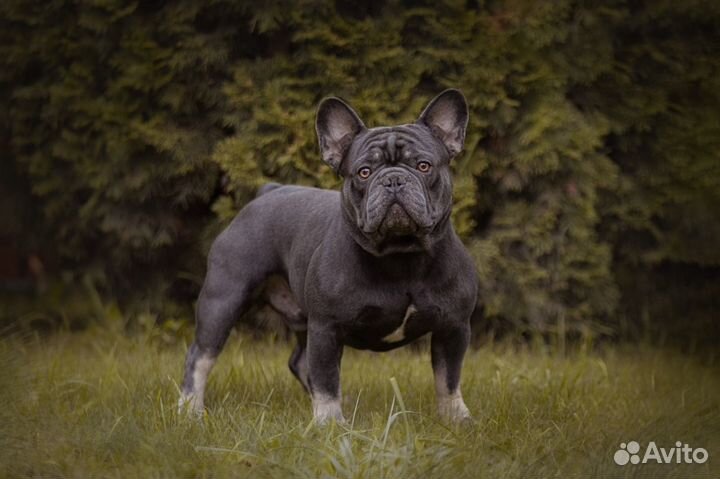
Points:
[(588, 192)]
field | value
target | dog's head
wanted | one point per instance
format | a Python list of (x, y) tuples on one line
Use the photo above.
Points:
[(397, 187)]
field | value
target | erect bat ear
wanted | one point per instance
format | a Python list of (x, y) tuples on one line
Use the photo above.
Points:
[(337, 125), (447, 117)]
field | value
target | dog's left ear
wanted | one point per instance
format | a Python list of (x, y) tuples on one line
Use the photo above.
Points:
[(337, 125), (447, 117)]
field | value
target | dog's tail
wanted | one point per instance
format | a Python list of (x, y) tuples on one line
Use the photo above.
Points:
[(267, 187)]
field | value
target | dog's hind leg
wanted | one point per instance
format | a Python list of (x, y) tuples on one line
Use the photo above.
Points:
[(298, 360), (197, 368), (215, 316), (278, 293), (234, 271)]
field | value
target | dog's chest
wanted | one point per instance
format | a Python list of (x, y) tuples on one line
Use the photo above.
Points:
[(382, 328)]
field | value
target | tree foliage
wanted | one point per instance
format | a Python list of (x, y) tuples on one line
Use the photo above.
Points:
[(591, 160)]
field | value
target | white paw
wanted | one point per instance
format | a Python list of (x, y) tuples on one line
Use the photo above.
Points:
[(326, 410), (191, 405), (453, 409)]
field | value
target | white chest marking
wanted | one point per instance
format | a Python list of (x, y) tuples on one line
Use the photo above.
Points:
[(399, 333)]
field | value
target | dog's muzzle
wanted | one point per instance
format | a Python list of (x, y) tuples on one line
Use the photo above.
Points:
[(396, 206), (397, 222)]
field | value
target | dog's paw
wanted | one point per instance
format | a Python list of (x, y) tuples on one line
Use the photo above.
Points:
[(327, 410), (327, 420), (191, 405), (454, 410)]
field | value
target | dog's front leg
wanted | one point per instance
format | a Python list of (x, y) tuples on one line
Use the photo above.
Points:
[(324, 353), (448, 350)]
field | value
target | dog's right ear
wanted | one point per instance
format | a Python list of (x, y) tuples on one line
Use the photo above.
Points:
[(337, 125)]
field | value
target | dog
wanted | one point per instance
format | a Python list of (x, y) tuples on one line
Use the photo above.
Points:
[(373, 266)]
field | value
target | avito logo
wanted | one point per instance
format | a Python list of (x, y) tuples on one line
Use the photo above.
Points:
[(680, 454)]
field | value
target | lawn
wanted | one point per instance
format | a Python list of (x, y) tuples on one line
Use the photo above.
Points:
[(102, 404)]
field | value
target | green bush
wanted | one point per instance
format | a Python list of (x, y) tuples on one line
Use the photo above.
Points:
[(591, 159)]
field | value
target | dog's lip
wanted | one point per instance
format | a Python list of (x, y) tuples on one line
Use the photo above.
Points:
[(392, 213), (419, 228), (381, 227), (399, 241)]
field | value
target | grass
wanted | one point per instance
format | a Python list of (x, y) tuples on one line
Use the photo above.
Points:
[(98, 404)]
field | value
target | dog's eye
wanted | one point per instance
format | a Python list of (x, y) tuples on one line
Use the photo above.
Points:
[(364, 172), (423, 166)]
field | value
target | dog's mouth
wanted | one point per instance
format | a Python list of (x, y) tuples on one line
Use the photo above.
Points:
[(398, 232), (397, 222), (401, 243)]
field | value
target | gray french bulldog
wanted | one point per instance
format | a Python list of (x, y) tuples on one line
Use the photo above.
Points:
[(374, 266)]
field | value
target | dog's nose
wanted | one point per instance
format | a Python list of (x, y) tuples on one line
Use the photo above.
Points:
[(394, 181)]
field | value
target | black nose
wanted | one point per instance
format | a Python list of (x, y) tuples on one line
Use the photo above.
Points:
[(394, 181)]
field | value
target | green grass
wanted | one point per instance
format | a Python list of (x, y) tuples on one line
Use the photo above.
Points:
[(97, 404)]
